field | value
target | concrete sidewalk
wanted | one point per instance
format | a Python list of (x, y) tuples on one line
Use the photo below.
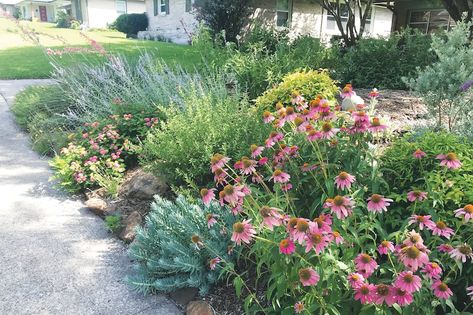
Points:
[(55, 257)]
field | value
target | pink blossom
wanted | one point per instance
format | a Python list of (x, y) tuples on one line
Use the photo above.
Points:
[(364, 293), (280, 177), (462, 253), (385, 247), (402, 297), (328, 131), (382, 294), (441, 229), (413, 258), (308, 277), (256, 150), (470, 292), (419, 154), (416, 195), (286, 187), (441, 290), (422, 221), (268, 117), (449, 160), (287, 247), (211, 220), (344, 180), (243, 232), (341, 206), (214, 262), (365, 264), (218, 161), (355, 279), (271, 217), (466, 212), (316, 240), (374, 93), (207, 195), (347, 91), (314, 135), (408, 281), (299, 307), (335, 236), (432, 270), (445, 248), (377, 203), (376, 125)]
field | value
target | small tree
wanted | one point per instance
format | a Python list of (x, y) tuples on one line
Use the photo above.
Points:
[(358, 13), (223, 15)]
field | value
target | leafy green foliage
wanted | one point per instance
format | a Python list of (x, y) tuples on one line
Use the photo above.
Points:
[(175, 247), (382, 63), (445, 98), (309, 84), (63, 20), (181, 148), (39, 110), (113, 223), (131, 24)]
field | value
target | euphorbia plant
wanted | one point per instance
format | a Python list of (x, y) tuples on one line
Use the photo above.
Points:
[(312, 214)]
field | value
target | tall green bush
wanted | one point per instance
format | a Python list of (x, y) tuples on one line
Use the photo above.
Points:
[(131, 24), (169, 249)]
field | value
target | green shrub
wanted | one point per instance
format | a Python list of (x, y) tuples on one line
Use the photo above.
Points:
[(113, 223), (169, 251), (181, 148), (131, 24), (63, 20), (262, 36), (382, 63), (307, 83), (39, 110), (444, 97)]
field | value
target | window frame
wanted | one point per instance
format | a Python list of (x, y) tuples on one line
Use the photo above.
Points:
[(428, 23), (126, 6), (189, 5), (158, 7), (289, 14)]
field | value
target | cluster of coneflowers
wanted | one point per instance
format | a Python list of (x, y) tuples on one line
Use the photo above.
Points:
[(317, 119)]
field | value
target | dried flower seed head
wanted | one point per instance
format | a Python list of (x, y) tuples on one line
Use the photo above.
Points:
[(196, 239), (451, 156), (302, 225), (265, 211), (292, 223), (238, 227)]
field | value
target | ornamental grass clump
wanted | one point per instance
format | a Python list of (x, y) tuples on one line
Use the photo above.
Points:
[(312, 213)]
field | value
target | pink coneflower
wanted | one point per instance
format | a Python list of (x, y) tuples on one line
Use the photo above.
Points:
[(385, 247), (470, 292), (377, 203), (382, 294), (340, 205), (268, 117), (335, 236), (462, 252), (413, 258), (414, 239), (374, 93), (402, 297), (247, 166), (233, 194), (419, 154), (323, 223), (441, 229), (422, 221), (408, 281), (308, 277), (263, 161), (328, 131), (306, 167), (211, 220), (449, 160), (290, 114), (220, 176), (271, 217), (376, 125), (286, 187), (365, 264), (256, 150), (416, 195), (466, 212), (214, 262), (355, 279), (316, 240), (280, 176), (432, 270), (347, 91), (344, 180), (218, 161), (287, 247), (243, 232), (299, 307), (197, 241), (300, 230), (274, 137), (207, 195), (441, 290), (314, 135), (445, 248), (364, 293)]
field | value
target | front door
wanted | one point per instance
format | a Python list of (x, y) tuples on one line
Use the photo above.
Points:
[(42, 13)]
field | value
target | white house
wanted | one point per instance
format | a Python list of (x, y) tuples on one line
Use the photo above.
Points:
[(100, 13), (173, 19), (35, 10)]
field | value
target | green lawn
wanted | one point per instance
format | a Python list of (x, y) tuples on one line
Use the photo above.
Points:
[(21, 58)]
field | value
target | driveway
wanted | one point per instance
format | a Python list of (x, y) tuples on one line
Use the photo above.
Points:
[(55, 257)]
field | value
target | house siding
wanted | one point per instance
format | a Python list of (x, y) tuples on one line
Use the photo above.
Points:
[(101, 13), (307, 18)]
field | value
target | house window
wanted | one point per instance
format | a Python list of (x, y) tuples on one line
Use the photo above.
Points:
[(120, 6), (161, 7), (189, 4), (429, 22), (344, 14), (283, 13)]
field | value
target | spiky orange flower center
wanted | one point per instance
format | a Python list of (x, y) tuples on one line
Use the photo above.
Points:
[(238, 227), (417, 193), (339, 201), (298, 121), (408, 278), (434, 265), (316, 238), (365, 290), (209, 216), (228, 190), (465, 250), (414, 237), (365, 258), (385, 244), (284, 243), (376, 198), (204, 192), (265, 211), (443, 287), (468, 209), (412, 252), (289, 110), (382, 290), (343, 175), (216, 158), (302, 225), (400, 292), (451, 156), (196, 239), (253, 147), (247, 163), (218, 171), (292, 222), (336, 234), (376, 122), (355, 277), (304, 274), (312, 133), (266, 114), (279, 105), (441, 225), (326, 127), (420, 218)]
